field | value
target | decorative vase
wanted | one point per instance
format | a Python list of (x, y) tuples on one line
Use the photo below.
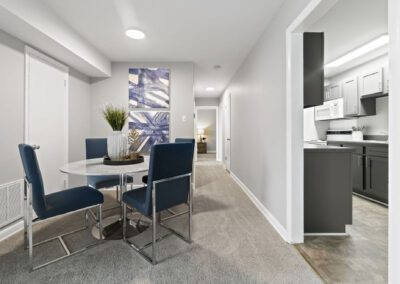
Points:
[(357, 135), (117, 146)]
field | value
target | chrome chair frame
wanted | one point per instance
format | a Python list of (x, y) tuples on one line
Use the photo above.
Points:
[(155, 219), (28, 229)]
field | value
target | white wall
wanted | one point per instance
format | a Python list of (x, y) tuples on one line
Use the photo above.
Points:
[(114, 90), (12, 106), (79, 120), (258, 123), (206, 101), (207, 119)]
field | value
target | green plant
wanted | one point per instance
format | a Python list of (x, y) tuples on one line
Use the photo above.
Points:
[(116, 117)]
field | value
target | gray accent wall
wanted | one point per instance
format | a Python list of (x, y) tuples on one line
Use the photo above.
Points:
[(258, 114), (114, 90)]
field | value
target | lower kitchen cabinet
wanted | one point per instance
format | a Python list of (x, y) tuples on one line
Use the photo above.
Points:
[(370, 169), (376, 175), (358, 173)]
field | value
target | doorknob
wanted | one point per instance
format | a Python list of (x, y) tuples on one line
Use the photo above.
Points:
[(228, 139)]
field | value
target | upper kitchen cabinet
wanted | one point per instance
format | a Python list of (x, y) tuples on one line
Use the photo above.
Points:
[(333, 91), (353, 105), (313, 56), (372, 83)]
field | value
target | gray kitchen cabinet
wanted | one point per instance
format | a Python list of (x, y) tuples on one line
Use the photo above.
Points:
[(376, 174), (350, 95), (358, 173), (333, 91), (313, 58), (353, 105), (370, 169), (371, 83)]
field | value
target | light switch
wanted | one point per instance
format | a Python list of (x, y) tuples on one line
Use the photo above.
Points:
[(183, 118)]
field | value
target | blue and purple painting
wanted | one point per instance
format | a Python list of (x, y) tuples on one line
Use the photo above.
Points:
[(148, 88), (153, 128)]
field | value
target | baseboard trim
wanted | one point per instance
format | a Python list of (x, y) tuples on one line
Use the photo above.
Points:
[(264, 211), (326, 234), (11, 229)]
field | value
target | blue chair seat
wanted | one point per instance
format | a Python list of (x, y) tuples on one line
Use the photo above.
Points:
[(98, 182), (137, 199), (69, 200)]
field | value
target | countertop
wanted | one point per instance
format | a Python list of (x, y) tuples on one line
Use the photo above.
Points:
[(323, 148), (368, 142)]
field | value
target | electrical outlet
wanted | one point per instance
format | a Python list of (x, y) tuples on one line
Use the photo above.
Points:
[(183, 118)]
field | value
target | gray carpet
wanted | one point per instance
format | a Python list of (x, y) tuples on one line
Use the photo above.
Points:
[(232, 243)]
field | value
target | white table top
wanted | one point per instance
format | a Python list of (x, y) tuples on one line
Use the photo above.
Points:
[(95, 167)]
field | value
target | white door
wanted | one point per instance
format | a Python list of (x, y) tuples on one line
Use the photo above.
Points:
[(46, 115), (227, 132)]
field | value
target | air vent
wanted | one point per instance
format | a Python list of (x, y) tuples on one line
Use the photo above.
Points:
[(11, 202)]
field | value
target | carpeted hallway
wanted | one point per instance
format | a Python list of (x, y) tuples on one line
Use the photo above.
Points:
[(232, 243)]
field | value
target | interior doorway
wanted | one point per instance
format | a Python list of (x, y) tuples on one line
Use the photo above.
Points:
[(207, 133), (377, 269)]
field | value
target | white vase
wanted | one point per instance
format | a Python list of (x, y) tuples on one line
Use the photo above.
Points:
[(117, 145), (357, 135)]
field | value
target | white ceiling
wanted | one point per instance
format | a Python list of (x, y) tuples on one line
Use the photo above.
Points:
[(349, 25), (205, 32)]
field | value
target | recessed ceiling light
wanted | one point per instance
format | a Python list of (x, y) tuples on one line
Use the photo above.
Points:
[(375, 44), (210, 89), (135, 34)]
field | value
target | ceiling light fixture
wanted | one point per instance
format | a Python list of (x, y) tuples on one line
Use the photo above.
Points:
[(210, 89), (135, 34), (375, 44)]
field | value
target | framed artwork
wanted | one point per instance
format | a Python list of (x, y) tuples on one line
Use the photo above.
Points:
[(152, 126), (149, 88)]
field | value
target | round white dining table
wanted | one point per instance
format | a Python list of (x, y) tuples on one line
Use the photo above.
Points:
[(95, 167)]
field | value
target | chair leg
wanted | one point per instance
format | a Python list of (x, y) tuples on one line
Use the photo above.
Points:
[(30, 236), (124, 222), (154, 244), (86, 218), (190, 209), (25, 222), (100, 221), (117, 193)]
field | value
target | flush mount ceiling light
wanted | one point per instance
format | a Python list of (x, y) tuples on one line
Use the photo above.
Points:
[(375, 44), (135, 34), (210, 89)]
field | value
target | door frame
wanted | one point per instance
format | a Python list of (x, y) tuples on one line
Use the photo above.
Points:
[(33, 53), (294, 127), (218, 136)]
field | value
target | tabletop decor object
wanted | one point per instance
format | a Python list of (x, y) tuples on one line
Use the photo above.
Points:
[(357, 133), (117, 143)]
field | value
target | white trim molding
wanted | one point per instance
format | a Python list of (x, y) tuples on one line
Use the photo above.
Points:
[(11, 229), (264, 211)]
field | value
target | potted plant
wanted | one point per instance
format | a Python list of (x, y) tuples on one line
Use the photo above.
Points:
[(117, 142)]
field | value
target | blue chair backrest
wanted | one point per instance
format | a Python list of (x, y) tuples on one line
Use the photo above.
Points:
[(34, 177), (166, 161), (96, 148)]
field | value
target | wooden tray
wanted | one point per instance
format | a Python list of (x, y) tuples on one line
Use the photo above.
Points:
[(109, 162)]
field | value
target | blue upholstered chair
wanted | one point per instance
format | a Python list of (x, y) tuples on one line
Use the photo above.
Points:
[(169, 184), (52, 205), (177, 140), (97, 148)]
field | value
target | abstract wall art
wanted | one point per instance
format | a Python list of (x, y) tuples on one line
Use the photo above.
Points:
[(153, 128), (149, 88)]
